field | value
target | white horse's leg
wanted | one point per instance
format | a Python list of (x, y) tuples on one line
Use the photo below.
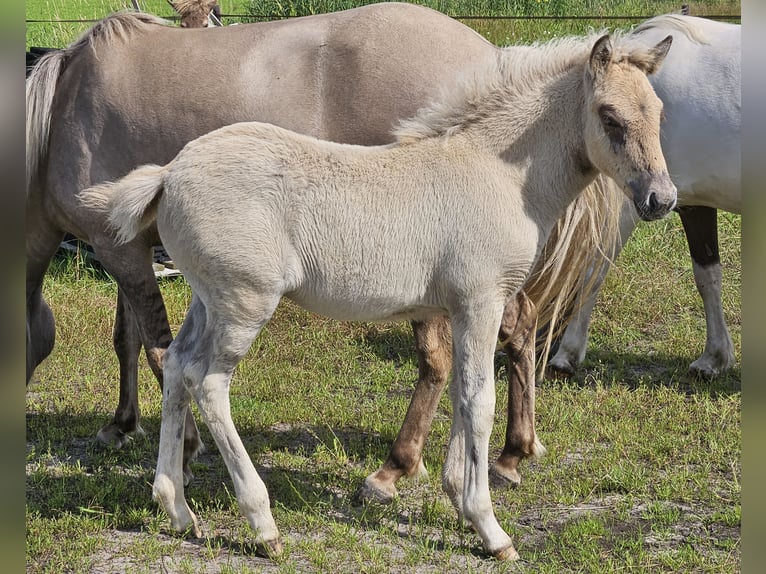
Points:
[(701, 228), (719, 349), (473, 402), (228, 339), (574, 341)]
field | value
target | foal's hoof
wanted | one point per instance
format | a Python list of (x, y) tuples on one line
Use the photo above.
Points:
[(370, 492), (271, 549), (507, 554)]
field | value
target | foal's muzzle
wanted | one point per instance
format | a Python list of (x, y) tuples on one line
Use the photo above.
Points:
[(654, 196)]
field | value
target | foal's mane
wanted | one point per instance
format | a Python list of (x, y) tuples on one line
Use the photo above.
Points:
[(516, 71)]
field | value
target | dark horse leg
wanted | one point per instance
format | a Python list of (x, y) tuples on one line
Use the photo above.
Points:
[(701, 228), (141, 318), (517, 332), (433, 342)]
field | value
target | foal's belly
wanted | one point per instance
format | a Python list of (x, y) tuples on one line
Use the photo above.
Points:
[(364, 306)]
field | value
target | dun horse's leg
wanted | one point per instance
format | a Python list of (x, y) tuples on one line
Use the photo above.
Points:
[(433, 342), (141, 299), (701, 228), (42, 243), (466, 471), (127, 346), (517, 332)]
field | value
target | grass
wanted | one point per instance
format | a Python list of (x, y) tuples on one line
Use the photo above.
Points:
[(643, 471)]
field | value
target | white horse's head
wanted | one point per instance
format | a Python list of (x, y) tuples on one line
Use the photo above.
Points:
[(622, 124)]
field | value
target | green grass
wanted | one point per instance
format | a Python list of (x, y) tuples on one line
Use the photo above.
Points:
[(643, 471)]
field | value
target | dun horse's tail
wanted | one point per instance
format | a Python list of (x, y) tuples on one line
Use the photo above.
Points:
[(42, 82), (131, 202), (40, 89)]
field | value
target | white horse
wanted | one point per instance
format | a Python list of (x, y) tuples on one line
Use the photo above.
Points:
[(700, 86), (448, 220)]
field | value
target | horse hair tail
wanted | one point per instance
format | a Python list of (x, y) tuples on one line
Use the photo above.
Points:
[(40, 89), (131, 202)]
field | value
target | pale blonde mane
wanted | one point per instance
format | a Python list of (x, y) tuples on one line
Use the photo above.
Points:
[(516, 72), (116, 27)]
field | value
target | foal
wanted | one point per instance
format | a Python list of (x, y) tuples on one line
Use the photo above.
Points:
[(447, 221)]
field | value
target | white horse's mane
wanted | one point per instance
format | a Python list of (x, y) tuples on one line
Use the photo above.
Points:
[(516, 71), (685, 24)]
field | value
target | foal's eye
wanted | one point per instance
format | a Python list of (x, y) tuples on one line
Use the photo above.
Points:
[(610, 121), (613, 126)]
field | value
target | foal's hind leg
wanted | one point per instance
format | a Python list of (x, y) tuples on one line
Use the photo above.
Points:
[(701, 228), (205, 363), (517, 332), (433, 342)]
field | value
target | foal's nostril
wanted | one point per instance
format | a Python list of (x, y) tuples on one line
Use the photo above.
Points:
[(653, 202)]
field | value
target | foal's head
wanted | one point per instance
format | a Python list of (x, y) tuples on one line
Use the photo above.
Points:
[(195, 13), (622, 125)]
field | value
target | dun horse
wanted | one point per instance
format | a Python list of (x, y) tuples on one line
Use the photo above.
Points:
[(447, 221), (132, 91)]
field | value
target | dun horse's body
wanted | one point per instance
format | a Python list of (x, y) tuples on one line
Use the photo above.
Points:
[(448, 221), (132, 91), (700, 86)]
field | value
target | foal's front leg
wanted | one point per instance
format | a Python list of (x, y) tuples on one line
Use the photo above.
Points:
[(517, 334), (465, 477)]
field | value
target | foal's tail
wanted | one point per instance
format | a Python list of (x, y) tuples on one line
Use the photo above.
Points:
[(131, 202)]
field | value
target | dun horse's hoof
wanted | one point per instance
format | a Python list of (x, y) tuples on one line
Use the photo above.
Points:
[(507, 554), (111, 436)]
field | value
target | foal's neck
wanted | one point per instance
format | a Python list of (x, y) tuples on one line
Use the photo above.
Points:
[(541, 136)]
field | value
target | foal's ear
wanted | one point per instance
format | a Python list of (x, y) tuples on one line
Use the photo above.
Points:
[(600, 56), (657, 55)]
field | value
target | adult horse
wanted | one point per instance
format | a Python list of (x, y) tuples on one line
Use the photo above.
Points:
[(132, 91), (700, 86), (361, 233)]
